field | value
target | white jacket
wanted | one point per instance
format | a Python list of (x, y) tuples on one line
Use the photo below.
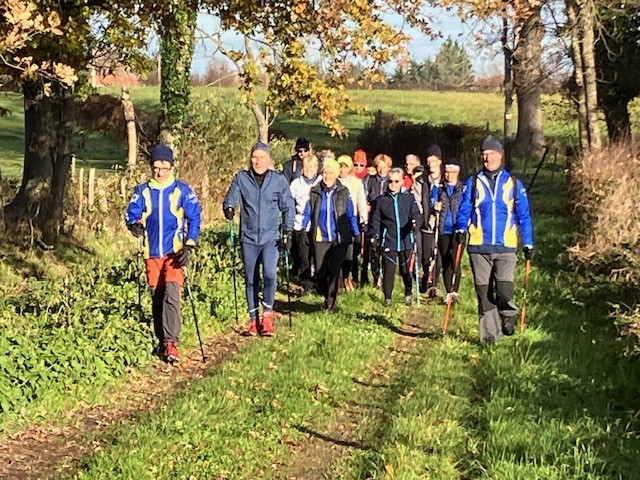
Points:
[(358, 197), (300, 189)]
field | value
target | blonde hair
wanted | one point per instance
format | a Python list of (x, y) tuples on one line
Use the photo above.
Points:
[(382, 158)]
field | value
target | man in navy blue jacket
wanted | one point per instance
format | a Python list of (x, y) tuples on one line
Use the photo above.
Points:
[(264, 197)]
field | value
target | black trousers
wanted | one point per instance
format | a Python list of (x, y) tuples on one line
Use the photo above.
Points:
[(371, 257), (328, 258), (390, 259), (429, 277), (302, 255), (447, 247)]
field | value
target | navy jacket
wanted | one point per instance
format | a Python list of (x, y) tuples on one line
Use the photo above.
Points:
[(261, 207), (392, 220)]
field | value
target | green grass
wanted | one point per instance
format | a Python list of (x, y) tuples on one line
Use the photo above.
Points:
[(243, 417), (559, 401), (479, 109)]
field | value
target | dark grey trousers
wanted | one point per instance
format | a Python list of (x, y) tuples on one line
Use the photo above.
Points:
[(493, 277), (167, 319)]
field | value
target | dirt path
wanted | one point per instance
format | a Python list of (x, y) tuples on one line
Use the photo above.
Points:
[(43, 451), (317, 456)]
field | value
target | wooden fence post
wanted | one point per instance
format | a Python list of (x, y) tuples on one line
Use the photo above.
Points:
[(92, 188), (80, 192)]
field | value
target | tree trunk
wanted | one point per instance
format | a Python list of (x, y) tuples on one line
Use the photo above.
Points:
[(54, 212), (508, 93), (581, 95), (39, 143), (587, 23), (527, 75), (176, 52), (48, 125), (616, 114)]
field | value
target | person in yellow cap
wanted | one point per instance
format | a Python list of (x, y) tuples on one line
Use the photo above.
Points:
[(350, 267), (333, 224)]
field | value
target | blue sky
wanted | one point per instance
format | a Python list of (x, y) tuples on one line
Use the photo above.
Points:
[(420, 47)]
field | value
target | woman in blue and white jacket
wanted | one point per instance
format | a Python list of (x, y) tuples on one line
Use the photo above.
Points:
[(333, 222)]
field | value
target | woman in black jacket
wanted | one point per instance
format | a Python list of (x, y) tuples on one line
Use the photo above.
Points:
[(395, 216)]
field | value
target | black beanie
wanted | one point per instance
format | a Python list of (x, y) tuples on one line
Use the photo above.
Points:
[(302, 144), (434, 150)]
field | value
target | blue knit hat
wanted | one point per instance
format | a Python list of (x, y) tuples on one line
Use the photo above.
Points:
[(162, 152), (491, 143), (261, 146)]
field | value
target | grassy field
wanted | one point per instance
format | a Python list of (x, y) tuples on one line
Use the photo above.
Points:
[(480, 109)]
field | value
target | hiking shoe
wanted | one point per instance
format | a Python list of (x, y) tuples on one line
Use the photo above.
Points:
[(171, 353), (266, 327), (387, 302), (507, 326), (408, 300), (252, 328)]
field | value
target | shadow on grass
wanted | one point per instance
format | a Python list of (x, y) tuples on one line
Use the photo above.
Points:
[(402, 329), (327, 438)]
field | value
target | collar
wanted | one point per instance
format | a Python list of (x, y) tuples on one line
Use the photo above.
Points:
[(153, 183)]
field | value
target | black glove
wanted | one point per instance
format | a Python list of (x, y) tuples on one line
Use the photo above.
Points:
[(229, 212), (373, 241), (183, 256), (461, 237), (287, 240), (528, 253), (137, 229), (364, 228)]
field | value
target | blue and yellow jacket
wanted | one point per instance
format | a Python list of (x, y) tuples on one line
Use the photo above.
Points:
[(494, 212), (170, 213)]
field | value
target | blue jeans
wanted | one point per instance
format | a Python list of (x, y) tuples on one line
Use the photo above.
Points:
[(253, 256)]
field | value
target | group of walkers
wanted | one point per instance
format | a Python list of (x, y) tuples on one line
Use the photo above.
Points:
[(340, 218)]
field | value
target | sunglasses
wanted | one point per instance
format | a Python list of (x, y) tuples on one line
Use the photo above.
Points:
[(359, 164), (302, 150)]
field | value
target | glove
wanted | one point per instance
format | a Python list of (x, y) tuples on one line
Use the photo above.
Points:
[(137, 229), (229, 212), (461, 237), (183, 256), (528, 253), (374, 241), (364, 228), (287, 240)]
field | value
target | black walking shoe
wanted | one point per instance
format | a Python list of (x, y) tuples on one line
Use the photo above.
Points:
[(507, 326)]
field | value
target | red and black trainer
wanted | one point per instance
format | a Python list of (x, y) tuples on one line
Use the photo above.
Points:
[(252, 328), (171, 353), (266, 327)]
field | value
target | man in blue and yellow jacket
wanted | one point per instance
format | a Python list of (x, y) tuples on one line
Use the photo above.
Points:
[(494, 208), (165, 212)]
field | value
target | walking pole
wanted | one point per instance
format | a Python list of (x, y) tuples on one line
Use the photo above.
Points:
[(434, 258), (140, 273), (416, 268), (187, 285), (523, 313), (286, 276), (456, 265), (233, 267)]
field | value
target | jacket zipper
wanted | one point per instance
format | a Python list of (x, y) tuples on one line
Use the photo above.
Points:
[(397, 214)]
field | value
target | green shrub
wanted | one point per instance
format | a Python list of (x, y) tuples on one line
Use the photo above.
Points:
[(58, 337)]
